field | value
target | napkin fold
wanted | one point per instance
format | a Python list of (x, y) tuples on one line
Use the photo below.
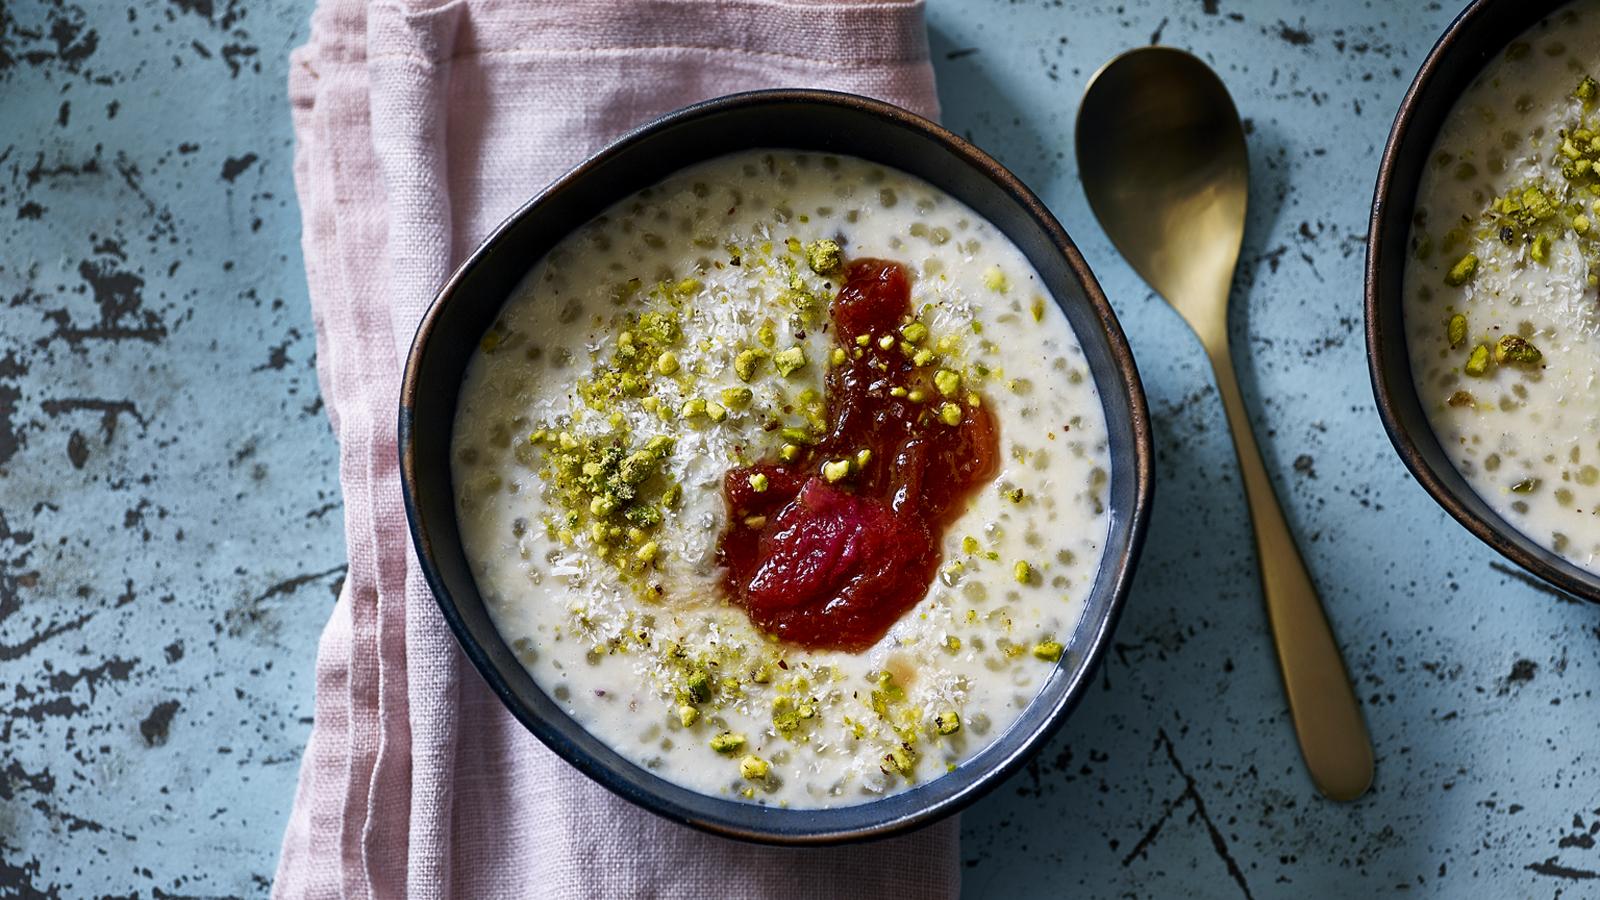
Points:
[(419, 126)]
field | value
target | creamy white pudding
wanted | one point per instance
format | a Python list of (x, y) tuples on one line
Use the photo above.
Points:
[(1502, 290), (688, 499)]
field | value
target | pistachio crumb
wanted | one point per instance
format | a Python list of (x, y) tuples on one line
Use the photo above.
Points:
[(947, 381), (1514, 350), (736, 397), (1022, 571), (916, 332), (666, 363), (1457, 330), (1478, 361), (995, 280), (758, 482), (747, 362), (688, 715), (950, 414), (1049, 651), (754, 768), (948, 722), (1463, 271), (727, 742), (836, 470), (824, 256), (790, 361)]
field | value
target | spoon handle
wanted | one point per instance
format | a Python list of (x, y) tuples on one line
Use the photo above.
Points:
[(1327, 717)]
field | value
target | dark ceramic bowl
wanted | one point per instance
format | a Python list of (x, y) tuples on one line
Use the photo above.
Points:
[(807, 120), (1478, 35)]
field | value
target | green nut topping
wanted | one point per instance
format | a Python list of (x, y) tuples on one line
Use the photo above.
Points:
[(727, 742), (698, 685), (747, 362), (836, 470), (950, 414), (948, 722), (824, 256), (758, 482), (1049, 651), (902, 759), (1457, 330), (1463, 271), (790, 361), (1539, 250), (1513, 350), (916, 332), (736, 397), (667, 363), (688, 715), (1022, 571), (1478, 361), (995, 280), (754, 768), (947, 381)]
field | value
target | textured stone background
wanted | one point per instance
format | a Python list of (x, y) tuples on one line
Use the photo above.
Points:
[(170, 535)]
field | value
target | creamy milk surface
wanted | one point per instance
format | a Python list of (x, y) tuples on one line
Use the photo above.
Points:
[(1502, 291), (683, 334)]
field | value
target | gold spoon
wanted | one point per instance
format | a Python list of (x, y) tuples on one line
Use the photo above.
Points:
[(1162, 156)]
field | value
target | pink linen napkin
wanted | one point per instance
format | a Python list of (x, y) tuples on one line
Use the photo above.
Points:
[(419, 126)]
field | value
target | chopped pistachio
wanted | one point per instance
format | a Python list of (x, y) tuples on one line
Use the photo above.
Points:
[(836, 470), (1457, 330), (1539, 251), (1037, 308), (995, 280), (789, 452), (1049, 651), (758, 482), (1022, 571), (736, 397), (727, 742), (1514, 350), (698, 685), (886, 342), (790, 361), (947, 381), (969, 545), (755, 521), (1478, 361), (1461, 398), (1526, 486), (824, 256), (948, 722), (903, 759), (715, 411), (688, 715), (950, 414), (922, 357), (746, 363), (916, 395), (836, 356), (1580, 223), (863, 456), (1015, 495), (916, 332), (1586, 90), (647, 551), (754, 768), (1463, 271), (692, 407), (667, 363)]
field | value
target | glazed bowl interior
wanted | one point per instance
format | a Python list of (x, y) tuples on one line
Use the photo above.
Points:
[(1478, 35), (803, 120)]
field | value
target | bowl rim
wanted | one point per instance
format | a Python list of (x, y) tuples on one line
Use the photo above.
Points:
[(1379, 344), (1117, 574)]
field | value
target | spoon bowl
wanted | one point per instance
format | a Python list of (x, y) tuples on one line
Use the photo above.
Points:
[(1162, 156)]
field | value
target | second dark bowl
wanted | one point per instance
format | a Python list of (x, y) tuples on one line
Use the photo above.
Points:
[(1480, 33)]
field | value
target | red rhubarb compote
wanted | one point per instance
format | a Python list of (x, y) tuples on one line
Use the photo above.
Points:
[(829, 549)]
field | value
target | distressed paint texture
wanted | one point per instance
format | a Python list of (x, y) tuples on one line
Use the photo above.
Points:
[(170, 535)]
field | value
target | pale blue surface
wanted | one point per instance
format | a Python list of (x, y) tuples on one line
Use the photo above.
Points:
[(182, 550)]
